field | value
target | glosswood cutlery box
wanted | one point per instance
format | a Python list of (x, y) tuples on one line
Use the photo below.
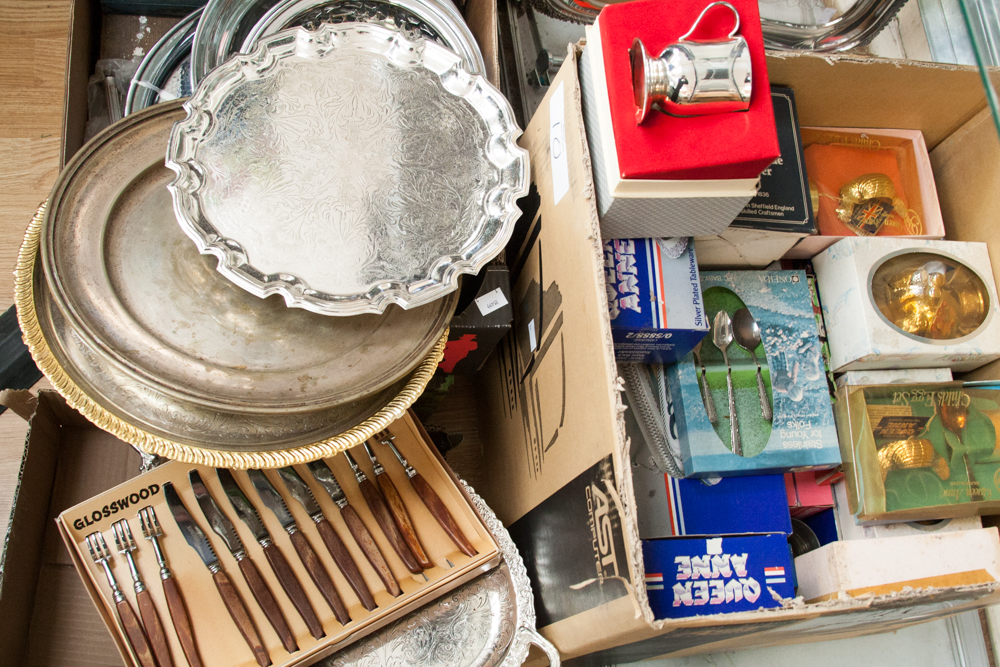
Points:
[(216, 636), (551, 414), (50, 585)]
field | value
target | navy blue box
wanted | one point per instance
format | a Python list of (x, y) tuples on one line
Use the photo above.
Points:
[(715, 575), (654, 299)]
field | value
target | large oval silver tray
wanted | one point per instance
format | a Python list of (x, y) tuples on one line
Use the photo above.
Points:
[(488, 622), (228, 25), (130, 283), (347, 169), (108, 397), (165, 73)]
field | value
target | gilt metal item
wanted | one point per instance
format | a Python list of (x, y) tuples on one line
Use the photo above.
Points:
[(434, 197)]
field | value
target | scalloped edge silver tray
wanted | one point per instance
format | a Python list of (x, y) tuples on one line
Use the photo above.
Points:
[(438, 635), (440, 275)]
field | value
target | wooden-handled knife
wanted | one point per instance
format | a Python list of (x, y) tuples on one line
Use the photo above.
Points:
[(314, 566), (225, 529), (399, 513), (383, 517), (195, 537), (431, 499), (279, 565), (322, 474), (301, 492)]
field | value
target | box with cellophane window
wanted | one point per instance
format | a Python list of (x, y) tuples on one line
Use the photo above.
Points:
[(926, 451)]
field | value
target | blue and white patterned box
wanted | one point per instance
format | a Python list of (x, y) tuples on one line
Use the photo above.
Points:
[(716, 575), (654, 299), (801, 434)]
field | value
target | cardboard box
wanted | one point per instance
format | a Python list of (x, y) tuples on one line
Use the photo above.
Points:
[(881, 566), (895, 376), (779, 215), (654, 299), (853, 274), (801, 433), (48, 593), (717, 575), (806, 497), (906, 459), (478, 326), (916, 180), (553, 435), (648, 207), (852, 529)]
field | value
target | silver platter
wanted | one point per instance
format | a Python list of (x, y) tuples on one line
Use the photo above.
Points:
[(157, 337), (164, 74), (856, 26), (228, 24), (488, 622), (347, 169)]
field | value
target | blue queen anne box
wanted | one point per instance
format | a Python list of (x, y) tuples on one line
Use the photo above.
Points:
[(716, 575), (654, 299), (801, 435)]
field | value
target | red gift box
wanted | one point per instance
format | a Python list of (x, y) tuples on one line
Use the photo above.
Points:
[(719, 146)]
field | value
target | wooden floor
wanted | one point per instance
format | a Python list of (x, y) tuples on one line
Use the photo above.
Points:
[(32, 81)]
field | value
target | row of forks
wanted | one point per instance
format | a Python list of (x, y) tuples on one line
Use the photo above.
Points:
[(147, 639)]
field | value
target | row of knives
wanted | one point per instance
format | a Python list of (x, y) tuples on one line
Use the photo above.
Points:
[(148, 639)]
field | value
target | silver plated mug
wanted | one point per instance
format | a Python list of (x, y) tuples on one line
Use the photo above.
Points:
[(693, 77)]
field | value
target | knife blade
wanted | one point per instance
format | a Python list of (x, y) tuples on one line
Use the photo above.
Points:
[(274, 502), (195, 537), (399, 513), (383, 517), (279, 565), (225, 529), (324, 475), (301, 492)]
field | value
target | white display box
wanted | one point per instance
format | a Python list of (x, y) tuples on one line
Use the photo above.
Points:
[(879, 566), (862, 338)]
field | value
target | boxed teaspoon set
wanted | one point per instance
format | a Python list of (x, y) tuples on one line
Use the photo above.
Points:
[(220, 635)]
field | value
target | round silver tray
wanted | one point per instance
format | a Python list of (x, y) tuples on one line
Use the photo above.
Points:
[(227, 25), (488, 622), (142, 323), (165, 69), (347, 169)]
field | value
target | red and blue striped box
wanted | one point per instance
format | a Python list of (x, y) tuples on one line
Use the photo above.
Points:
[(654, 299), (717, 575)]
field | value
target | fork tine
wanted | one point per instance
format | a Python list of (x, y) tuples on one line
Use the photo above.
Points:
[(90, 545), (142, 523), (129, 539), (119, 538), (104, 545)]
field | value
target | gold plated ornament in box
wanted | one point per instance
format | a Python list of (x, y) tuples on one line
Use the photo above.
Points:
[(930, 295)]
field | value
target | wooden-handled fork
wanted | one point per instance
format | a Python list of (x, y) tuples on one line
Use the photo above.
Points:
[(125, 543), (151, 530), (133, 630)]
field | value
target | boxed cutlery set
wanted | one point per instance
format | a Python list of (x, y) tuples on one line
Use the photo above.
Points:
[(719, 360), (277, 567)]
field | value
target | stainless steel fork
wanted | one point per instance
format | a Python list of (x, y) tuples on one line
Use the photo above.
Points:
[(125, 543), (133, 630)]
